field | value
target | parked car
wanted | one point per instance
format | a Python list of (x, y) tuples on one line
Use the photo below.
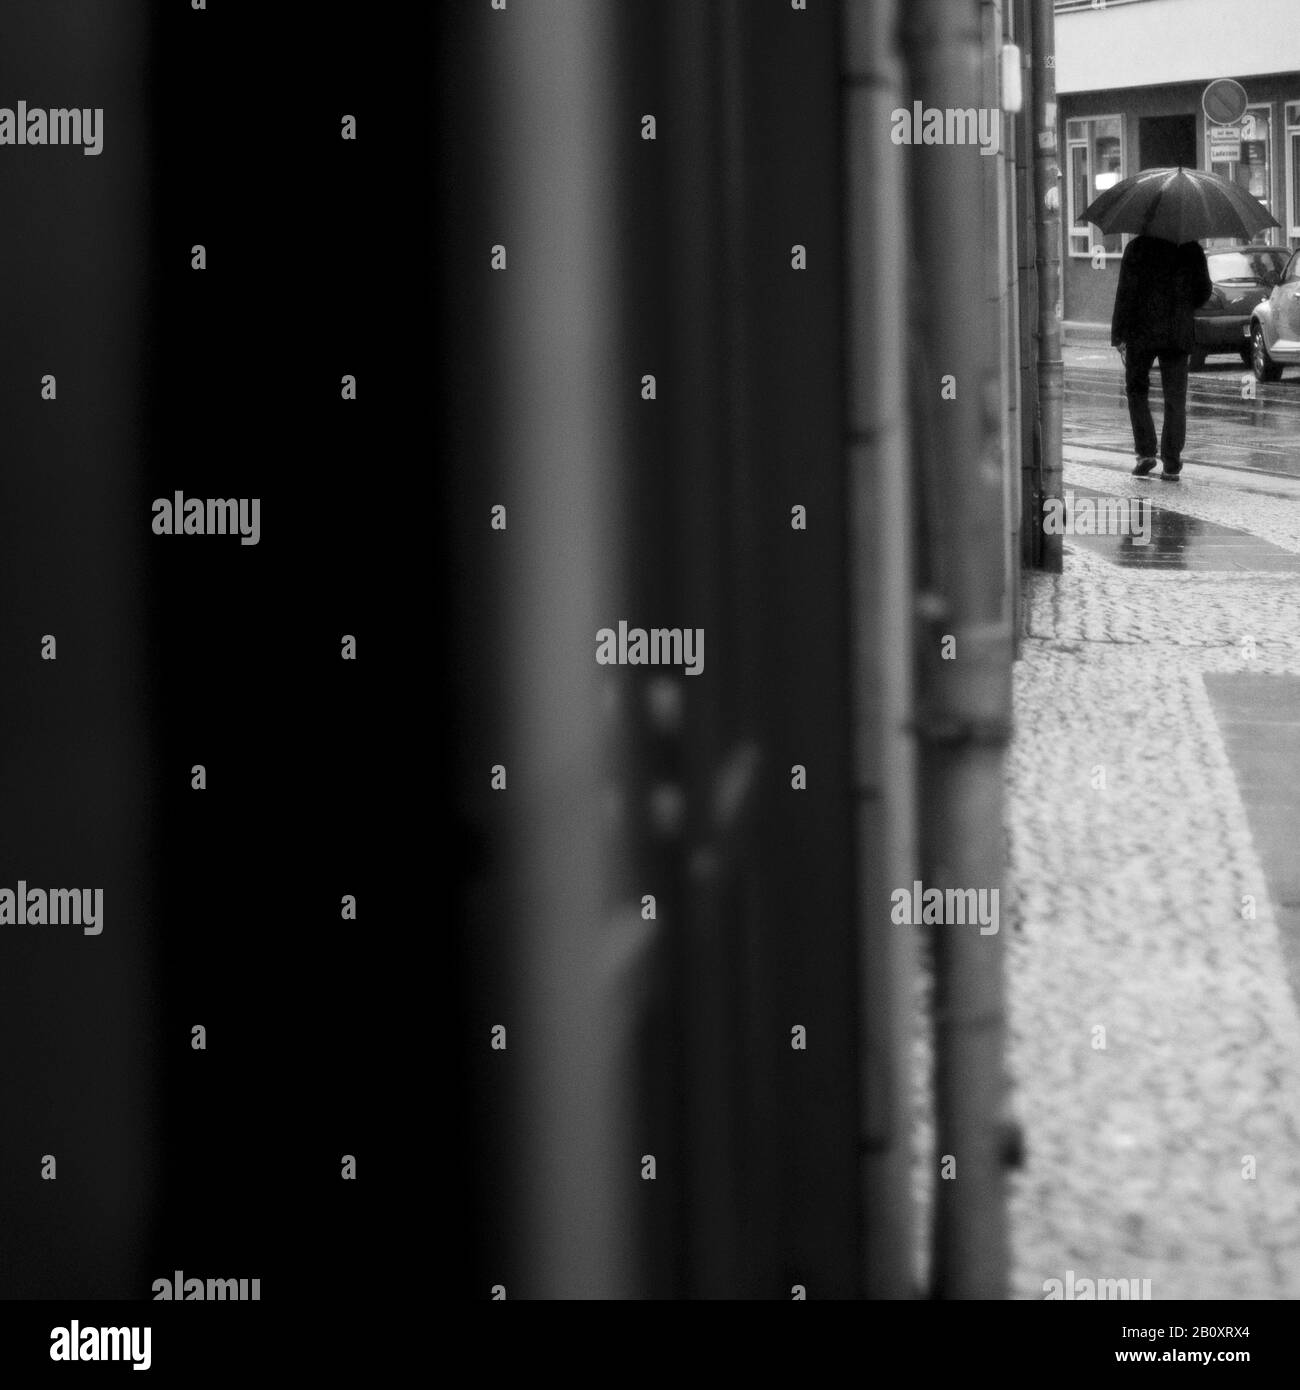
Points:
[(1275, 326), (1243, 277)]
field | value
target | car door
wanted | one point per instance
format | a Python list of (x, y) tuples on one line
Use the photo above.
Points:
[(1286, 308)]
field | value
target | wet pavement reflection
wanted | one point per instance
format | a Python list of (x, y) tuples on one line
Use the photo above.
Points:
[(1174, 540)]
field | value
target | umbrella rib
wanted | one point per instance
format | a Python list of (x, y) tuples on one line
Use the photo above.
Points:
[(1157, 201), (1130, 195)]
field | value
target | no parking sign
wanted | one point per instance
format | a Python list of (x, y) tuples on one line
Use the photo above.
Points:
[(1224, 104)]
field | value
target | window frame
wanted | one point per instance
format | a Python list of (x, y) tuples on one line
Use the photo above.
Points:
[(1087, 144), (1270, 155), (1291, 177)]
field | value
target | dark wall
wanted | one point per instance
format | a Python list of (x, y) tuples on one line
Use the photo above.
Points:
[(81, 1064), (222, 906)]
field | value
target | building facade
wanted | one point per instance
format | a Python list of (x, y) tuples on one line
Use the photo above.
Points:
[(1131, 76)]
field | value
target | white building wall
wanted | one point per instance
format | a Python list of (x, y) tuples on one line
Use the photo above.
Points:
[(1141, 43)]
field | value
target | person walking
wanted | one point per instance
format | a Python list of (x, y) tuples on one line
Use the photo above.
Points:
[(1161, 286)]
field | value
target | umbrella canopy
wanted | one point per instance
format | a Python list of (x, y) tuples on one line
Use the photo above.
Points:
[(1179, 205)]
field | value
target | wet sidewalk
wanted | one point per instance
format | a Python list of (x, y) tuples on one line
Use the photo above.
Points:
[(1155, 905), (1171, 539), (1234, 421)]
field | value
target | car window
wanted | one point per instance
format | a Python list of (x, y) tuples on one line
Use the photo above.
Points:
[(1293, 268), (1262, 267)]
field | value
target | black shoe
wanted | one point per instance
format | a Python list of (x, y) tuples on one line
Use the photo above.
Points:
[(1144, 466), (1171, 475)]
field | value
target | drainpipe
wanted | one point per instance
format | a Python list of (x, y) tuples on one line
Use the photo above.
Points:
[(1026, 254), (1047, 221), (877, 457), (999, 185), (964, 657)]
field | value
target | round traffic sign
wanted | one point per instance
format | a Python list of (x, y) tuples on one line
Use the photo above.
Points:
[(1224, 101)]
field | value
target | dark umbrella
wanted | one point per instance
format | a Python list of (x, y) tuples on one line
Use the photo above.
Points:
[(1179, 205)]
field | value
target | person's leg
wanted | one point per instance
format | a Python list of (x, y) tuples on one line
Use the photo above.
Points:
[(1137, 385), (1173, 430)]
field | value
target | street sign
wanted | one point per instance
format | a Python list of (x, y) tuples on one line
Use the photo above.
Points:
[(1225, 143), (1224, 101)]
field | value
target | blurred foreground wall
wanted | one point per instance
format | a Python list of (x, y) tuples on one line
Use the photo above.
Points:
[(688, 1028)]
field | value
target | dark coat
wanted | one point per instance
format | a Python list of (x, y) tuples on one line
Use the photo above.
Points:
[(1160, 288)]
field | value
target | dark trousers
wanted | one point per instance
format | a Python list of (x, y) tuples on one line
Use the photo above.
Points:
[(1173, 383)]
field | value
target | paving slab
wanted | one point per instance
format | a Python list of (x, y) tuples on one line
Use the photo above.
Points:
[(1259, 719), (1175, 540)]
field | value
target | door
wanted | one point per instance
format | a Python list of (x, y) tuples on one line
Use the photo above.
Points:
[(1288, 307), (1292, 218)]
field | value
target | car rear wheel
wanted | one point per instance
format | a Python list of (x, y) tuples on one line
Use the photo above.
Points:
[(1265, 368)]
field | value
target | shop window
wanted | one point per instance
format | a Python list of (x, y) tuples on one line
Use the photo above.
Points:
[(1292, 218), (1254, 170), (1094, 151)]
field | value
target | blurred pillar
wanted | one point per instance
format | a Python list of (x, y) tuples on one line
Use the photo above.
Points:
[(629, 256), (577, 943), (999, 192), (964, 655), (881, 501)]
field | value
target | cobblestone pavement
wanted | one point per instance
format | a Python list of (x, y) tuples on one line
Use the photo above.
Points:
[(1131, 871)]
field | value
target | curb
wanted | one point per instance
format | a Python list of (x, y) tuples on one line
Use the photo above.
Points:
[(1074, 331)]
